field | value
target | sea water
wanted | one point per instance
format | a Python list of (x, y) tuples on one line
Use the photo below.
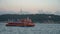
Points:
[(37, 29)]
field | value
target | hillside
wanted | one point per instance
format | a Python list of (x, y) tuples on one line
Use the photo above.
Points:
[(42, 18)]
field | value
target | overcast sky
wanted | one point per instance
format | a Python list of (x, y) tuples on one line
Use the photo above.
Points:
[(31, 6)]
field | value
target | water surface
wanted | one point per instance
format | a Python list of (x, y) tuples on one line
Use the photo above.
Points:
[(37, 29)]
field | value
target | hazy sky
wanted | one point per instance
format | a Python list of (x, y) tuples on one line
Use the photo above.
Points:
[(30, 5)]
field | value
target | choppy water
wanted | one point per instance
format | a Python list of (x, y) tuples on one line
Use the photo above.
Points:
[(38, 29)]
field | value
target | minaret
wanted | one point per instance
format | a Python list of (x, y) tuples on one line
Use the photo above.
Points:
[(21, 11)]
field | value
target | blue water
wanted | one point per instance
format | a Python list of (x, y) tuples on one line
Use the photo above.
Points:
[(38, 29)]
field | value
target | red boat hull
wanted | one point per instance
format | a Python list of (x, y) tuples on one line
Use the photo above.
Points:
[(20, 24)]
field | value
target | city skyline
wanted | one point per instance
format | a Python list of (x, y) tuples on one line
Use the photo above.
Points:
[(31, 6)]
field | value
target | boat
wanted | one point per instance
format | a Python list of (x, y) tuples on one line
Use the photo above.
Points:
[(23, 23)]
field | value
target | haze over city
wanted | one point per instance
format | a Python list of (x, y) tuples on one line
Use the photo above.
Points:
[(30, 6)]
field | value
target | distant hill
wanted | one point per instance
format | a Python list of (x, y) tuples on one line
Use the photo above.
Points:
[(42, 18)]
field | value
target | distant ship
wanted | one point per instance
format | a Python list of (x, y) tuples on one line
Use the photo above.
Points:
[(23, 23)]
